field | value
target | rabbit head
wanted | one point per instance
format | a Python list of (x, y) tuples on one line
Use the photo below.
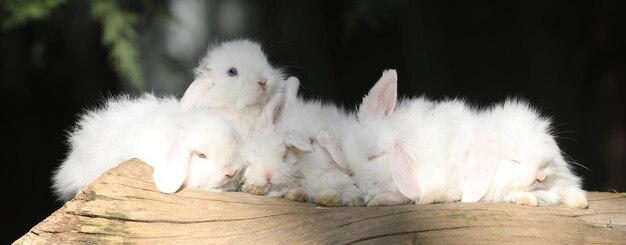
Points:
[(373, 151), (204, 155), (515, 152), (271, 156), (233, 74)]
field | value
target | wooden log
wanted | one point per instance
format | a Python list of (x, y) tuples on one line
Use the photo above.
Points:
[(123, 206)]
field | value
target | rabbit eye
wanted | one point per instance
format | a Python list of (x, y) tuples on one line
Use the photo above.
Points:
[(201, 155), (232, 72), (372, 157)]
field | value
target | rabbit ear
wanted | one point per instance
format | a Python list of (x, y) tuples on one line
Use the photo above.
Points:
[(170, 175), (293, 139), (381, 99), (195, 92), (403, 171), (269, 113), (292, 87), (328, 143), (482, 162)]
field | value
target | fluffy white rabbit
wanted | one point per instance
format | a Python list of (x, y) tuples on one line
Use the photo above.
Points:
[(516, 159), (296, 156), (444, 151), (368, 142), (192, 148), (234, 80), (429, 147), (272, 167), (504, 154)]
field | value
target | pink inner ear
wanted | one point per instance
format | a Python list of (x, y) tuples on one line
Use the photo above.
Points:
[(329, 143), (293, 139), (404, 172), (195, 92), (482, 162), (381, 100), (269, 113)]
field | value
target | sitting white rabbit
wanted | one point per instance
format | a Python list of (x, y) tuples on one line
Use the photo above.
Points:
[(191, 148), (234, 80)]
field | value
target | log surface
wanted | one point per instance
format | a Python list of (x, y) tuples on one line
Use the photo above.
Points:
[(123, 206)]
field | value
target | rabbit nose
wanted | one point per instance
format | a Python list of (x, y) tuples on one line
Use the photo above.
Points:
[(262, 81), (540, 176), (230, 174), (268, 176)]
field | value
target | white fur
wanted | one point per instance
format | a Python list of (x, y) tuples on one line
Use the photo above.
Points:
[(367, 144), (436, 138), (239, 98), (425, 133), (364, 146), (295, 150), (271, 166), (157, 131), (526, 152)]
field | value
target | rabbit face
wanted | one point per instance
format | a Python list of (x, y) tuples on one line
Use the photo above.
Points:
[(213, 170), (210, 148), (517, 152), (270, 161), (526, 167), (240, 73)]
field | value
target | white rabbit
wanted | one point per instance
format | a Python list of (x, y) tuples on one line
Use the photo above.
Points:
[(192, 148), (234, 80), (430, 146), (272, 167), (504, 154), (299, 150), (445, 151), (367, 142), (516, 159)]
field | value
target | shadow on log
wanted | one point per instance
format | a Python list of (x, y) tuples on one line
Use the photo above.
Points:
[(124, 206)]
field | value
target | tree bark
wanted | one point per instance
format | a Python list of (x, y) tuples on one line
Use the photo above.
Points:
[(124, 206)]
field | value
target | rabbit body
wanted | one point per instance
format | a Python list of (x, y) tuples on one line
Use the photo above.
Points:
[(427, 151), (154, 130), (234, 80), (303, 149)]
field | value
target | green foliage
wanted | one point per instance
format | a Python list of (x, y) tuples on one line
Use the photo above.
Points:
[(19, 12), (119, 34), (119, 21)]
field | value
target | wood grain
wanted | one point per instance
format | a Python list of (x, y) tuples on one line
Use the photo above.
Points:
[(123, 206)]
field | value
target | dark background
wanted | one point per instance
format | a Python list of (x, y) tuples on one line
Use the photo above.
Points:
[(568, 58)]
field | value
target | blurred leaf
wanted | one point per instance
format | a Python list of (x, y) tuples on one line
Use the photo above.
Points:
[(120, 21), (119, 34), (37, 53), (18, 12)]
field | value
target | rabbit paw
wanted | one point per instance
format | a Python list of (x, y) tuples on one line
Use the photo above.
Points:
[(328, 200), (253, 189), (355, 202), (523, 198), (454, 195), (296, 194), (388, 199), (442, 196), (575, 199)]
